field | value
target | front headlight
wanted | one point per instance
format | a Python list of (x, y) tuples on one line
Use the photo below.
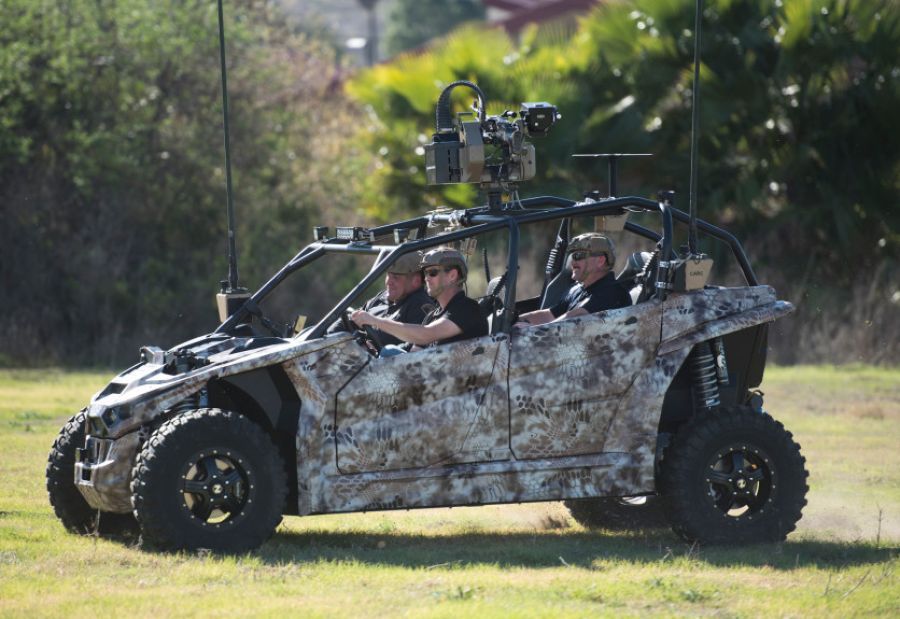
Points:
[(102, 419)]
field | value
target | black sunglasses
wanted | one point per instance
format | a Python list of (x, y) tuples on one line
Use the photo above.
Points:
[(581, 255), (433, 272)]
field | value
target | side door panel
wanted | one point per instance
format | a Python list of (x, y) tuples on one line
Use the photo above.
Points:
[(567, 379), (437, 406)]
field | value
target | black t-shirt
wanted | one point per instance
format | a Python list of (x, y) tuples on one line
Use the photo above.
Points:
[(603, 294), (411, 310), (464, 313)]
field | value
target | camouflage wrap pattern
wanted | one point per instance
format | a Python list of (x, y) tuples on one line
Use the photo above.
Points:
[(566, 378), (168, 391), (563, 410), (489, 482), (441, 405), (109, 488), (730, 324), (689, 312), (317, 377)]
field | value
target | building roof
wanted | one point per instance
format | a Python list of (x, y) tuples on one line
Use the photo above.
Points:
[(514, 15)]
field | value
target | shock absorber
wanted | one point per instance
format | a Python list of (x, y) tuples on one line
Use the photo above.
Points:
[(192, 402), (703, 373)]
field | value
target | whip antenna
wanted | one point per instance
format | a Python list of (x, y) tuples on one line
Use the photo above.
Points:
[(231, 296), (229, 200), (695, 127)]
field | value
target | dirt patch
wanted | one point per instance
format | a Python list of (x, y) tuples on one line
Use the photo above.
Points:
[(851, 523), (878, 410)]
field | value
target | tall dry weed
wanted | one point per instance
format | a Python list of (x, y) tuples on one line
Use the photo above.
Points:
[(859, 324)]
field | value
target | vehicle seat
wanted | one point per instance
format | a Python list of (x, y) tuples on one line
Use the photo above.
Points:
[(633, 267), (557, 287), (642, 284), (490, 304)]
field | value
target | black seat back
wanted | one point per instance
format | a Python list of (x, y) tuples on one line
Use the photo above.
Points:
[(633, 267), (643, 284), (491, 304), (557, 287)]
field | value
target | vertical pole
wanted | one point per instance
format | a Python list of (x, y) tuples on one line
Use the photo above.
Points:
[(695, 129), (612, 176), (229, 201), (372, 44)]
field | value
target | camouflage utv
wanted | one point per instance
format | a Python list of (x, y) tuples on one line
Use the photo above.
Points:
[(208, 444)]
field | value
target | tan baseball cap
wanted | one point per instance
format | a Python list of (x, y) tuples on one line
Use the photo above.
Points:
[(406, 264), (595, 244), (445, 257)]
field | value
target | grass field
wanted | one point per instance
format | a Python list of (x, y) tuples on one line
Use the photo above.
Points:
[(523, 560)]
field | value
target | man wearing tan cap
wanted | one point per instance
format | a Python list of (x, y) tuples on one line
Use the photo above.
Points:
[(593, 256), (457, 317), (403, 298)]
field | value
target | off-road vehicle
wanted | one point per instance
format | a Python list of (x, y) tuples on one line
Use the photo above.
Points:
[(208, 444)]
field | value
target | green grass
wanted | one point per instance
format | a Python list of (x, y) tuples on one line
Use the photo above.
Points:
[(522, 560)]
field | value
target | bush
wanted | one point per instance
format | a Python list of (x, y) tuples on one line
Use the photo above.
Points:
[(112, 167)]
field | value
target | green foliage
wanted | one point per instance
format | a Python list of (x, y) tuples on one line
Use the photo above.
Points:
[(412, 23), (112, 167), (798, 139)]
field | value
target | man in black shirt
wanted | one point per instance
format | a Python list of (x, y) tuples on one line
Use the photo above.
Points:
[(457, 317), (403, 298), (593, 256)]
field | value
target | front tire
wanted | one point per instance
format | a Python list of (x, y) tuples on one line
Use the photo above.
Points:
[(734, 477), (209, 479), (68, 503)]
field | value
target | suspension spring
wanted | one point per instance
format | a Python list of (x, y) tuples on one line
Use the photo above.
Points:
[(190, 403), (187, 404), (703, 372), (718, 349)]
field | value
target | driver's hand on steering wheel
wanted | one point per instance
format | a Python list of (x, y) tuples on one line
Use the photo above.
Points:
[(363, 318)]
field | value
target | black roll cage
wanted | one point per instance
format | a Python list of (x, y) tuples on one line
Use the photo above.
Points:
[(476, 221)]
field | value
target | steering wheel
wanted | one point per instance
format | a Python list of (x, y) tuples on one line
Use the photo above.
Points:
[(345, 320), (366, 336), (374, 338)]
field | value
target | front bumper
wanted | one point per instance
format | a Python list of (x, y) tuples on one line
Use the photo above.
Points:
[(103, 471)]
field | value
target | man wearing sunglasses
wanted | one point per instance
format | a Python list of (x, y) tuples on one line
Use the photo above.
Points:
[(592, 258), (456, 318), (403, 298)]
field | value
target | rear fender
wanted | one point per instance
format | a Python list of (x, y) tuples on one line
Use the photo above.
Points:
[(740, 316), (697, 317)]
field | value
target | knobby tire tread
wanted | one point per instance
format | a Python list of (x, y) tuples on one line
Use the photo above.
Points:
[(166, 530), (689, 516)]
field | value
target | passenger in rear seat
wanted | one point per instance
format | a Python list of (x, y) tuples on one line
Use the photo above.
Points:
[(593, 257)]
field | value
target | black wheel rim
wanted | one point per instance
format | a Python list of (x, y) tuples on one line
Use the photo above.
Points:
[(740, 481), (217, 486)]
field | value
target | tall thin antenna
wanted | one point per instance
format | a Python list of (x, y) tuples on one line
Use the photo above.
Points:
[(695, 129), (232, 251)]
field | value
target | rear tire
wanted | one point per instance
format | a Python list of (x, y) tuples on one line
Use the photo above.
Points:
[(68, 503), (734, 477), (211, 479)]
